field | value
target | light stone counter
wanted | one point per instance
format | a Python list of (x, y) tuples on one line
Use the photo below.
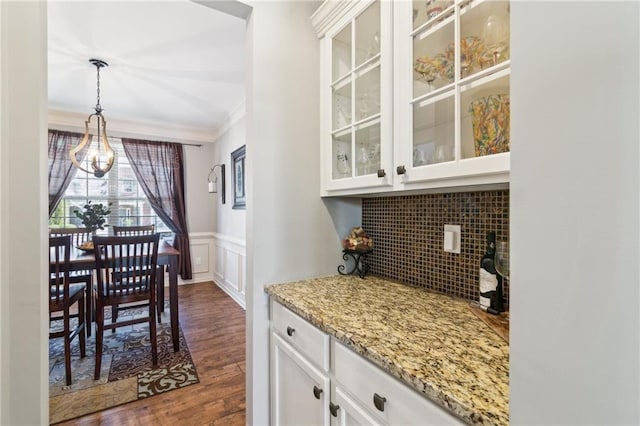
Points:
[(431, 342)]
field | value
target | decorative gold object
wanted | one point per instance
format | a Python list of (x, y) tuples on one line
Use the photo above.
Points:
[(490, 122), (471, 49)]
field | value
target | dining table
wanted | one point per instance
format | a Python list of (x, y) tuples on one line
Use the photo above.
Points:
[(81, 260)]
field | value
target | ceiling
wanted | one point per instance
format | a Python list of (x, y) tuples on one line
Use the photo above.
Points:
[(174, 63)]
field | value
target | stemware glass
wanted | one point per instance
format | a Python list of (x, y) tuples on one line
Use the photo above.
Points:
[(343, 165), (502, 258), (496, 36), (362, 160)]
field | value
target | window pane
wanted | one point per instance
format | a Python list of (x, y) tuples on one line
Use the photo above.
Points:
[(98, 188), (71, 207), (77, 187), (118, 189), (128, 188)]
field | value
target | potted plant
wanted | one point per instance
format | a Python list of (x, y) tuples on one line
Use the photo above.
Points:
[(93, 216)]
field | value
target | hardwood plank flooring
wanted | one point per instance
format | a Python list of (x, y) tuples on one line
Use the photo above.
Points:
[(214, 326)]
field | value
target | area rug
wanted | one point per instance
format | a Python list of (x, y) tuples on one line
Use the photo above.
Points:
[(127, 373)]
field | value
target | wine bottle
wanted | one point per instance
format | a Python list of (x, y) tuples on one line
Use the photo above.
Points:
[(491, 297)]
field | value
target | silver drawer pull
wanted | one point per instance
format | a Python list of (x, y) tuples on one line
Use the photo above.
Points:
[(379, 401)]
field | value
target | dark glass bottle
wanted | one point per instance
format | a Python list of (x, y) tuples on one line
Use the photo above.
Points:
[(491, 295)]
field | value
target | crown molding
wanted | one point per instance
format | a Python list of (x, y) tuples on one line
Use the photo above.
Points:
[(239, 112), (328, 12), (74, 122)]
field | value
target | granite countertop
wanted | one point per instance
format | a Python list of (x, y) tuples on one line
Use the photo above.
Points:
[(430, 341)]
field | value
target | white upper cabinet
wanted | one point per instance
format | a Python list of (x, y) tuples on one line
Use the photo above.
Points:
[(356, 87), (415, 95), (452, 93)]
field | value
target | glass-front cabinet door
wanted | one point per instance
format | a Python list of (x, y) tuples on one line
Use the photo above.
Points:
[(452, 82), (356, 81)]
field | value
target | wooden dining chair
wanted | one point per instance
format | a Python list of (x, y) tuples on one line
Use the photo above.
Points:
[(145, 230), (62, 296), (126, 275), (79, 236)]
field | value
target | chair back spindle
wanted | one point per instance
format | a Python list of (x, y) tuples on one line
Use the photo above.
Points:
[(78, 235), (133, 230)]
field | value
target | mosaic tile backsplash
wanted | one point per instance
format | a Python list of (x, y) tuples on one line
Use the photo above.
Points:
[(408, 234)]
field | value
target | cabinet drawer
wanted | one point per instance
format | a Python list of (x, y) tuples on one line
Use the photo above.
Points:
[(397, 404), (306, 338)]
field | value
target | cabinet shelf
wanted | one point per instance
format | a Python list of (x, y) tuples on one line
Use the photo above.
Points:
[(431, 27), (421, 14), (486, 75), (342, 82), (368, 65)]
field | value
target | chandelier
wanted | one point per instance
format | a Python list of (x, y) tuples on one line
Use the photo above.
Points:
[(100, 158)]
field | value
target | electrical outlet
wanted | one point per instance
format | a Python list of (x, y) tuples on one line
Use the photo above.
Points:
[(198, 261), (452, 238)]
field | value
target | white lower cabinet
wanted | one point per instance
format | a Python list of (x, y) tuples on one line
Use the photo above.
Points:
[(316, 380), (375, 397), (299, 390), (346, 412)]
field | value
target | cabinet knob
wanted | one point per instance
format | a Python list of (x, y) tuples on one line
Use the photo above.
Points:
[(381, 173), (379, 401), (401, 170), (290, 331), (333, 408), (317, 392)]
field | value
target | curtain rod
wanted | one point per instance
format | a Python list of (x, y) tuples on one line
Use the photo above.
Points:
[(199, 145)]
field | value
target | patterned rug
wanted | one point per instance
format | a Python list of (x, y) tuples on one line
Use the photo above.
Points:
[(127, 374)]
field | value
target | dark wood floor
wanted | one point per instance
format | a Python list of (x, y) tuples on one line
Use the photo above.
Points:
[(214, 326)]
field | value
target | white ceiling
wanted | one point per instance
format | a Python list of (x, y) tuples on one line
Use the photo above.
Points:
[(174, 63)]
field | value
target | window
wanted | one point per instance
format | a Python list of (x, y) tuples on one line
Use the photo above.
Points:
[(119, 188)]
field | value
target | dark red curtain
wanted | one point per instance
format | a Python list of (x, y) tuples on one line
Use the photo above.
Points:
[(61, 169), (159, 167)]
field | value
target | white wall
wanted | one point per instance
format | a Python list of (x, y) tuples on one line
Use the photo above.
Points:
[(228, 221), (575, 298), (200, 204), (23, 197), (229, 224), (290, 233)]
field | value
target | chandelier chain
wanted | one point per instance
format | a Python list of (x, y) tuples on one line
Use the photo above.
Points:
[(98, 107)]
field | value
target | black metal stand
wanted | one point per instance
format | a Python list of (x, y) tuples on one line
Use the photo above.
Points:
[(359, 258)]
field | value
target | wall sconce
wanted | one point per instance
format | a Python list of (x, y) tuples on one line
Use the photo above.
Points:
[(213, 184)]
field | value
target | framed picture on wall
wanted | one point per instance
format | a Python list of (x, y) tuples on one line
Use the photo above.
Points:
[(237, 161)]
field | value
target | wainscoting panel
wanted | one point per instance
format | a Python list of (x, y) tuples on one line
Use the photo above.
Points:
[(221, 259), (200, 257), (230, 266)]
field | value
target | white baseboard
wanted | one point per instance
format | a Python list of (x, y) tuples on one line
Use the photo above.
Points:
[(233, 294)]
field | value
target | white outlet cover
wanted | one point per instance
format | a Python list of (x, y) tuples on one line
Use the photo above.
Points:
[(451, 242)]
